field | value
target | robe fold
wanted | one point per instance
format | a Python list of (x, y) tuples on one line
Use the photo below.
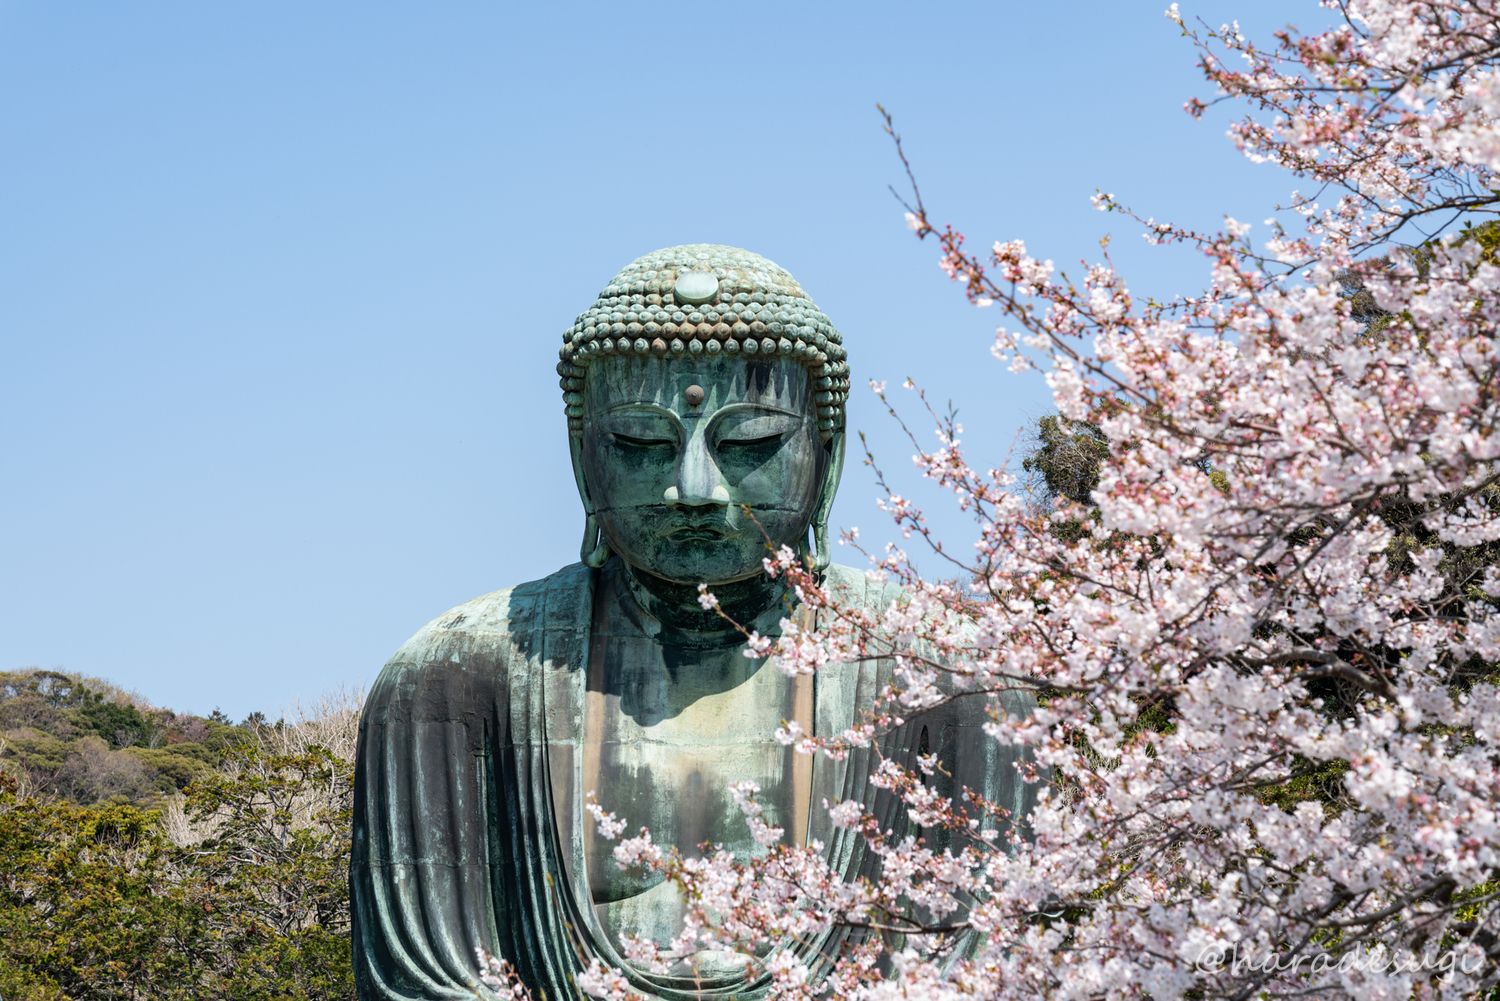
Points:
[(468, 799)]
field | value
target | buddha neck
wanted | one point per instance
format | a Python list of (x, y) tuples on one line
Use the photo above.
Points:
[(675, 606)]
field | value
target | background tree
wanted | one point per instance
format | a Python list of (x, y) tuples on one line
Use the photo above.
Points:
[(237, 890), (1064, 460)]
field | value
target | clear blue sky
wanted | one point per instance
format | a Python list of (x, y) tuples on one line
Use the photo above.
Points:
[(281, 284)]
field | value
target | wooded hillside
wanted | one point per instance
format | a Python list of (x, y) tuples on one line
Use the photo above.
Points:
[(150, 854)]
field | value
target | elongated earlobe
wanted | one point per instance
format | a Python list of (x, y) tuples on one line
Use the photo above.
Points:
[(815, 553), (595, 551), (821, 555), (806, 554)]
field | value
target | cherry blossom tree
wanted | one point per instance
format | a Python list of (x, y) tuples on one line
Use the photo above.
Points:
[(1264, 644)]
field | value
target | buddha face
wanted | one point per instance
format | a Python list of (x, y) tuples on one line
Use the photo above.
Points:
[(674, 449)]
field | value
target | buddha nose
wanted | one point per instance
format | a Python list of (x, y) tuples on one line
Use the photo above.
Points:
[(699, 483)]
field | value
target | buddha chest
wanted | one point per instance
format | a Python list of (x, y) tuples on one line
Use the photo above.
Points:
[(667, 728)]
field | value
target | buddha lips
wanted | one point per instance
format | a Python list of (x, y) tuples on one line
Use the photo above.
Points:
[(702, 299)]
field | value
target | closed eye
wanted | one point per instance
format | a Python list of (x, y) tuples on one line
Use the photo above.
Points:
[(631, 442), (769, 439), (753, 431)]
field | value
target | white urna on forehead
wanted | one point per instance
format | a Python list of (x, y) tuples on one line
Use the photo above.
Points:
[(706, 300)]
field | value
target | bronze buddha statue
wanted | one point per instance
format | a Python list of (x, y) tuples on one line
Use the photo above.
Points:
[(702, 383)]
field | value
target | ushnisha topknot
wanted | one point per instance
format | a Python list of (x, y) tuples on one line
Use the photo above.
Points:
[(706, 299)]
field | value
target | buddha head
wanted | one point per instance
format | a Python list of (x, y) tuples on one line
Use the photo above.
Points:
[(705, 401)]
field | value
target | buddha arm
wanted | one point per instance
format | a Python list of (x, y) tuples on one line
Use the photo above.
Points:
[(454, 841), (420, 869)]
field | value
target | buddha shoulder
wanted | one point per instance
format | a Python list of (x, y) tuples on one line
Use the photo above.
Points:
[(500, 625)]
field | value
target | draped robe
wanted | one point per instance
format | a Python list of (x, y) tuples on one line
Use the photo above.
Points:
[(468, 809)]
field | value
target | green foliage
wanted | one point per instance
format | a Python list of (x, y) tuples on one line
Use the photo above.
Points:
[(87, 741), (52, 688), (175, 766), (99, 902), (1065, 459), (148, 854), (44, 754), (223, 737), (280, 852), (85, 910), (19, 983), (122, 724), (1310, 782)]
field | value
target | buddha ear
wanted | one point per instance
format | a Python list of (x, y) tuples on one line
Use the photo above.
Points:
[(821, 555), (595, 551)]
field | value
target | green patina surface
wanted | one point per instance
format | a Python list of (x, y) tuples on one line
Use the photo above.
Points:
[(704, 397)]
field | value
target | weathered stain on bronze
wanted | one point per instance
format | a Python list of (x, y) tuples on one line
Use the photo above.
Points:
[(485, 732)]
